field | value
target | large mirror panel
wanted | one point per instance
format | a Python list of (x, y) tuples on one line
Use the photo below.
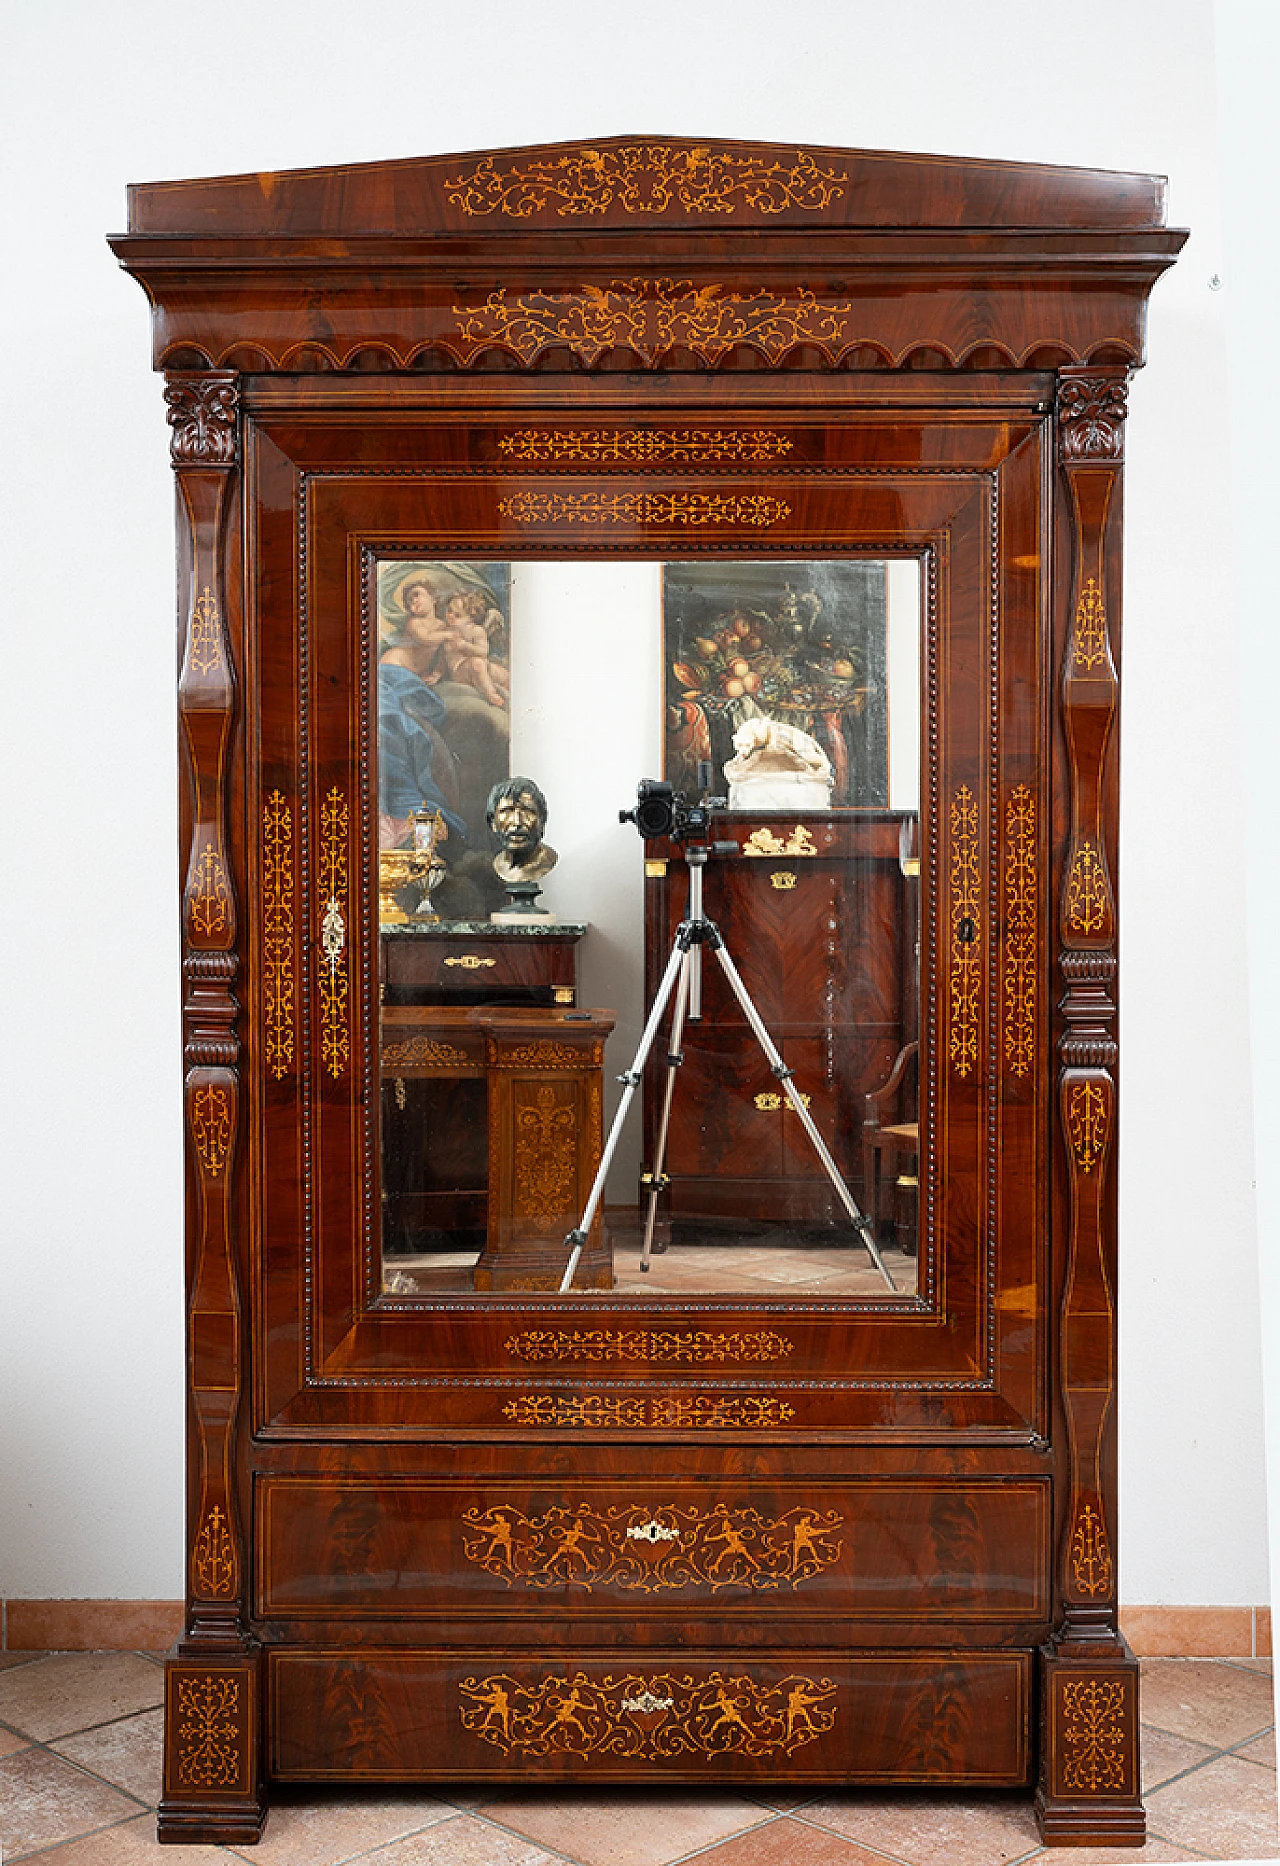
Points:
[(757, 917)]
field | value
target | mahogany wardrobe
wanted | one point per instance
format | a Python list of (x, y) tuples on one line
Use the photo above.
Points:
[(566, 464)]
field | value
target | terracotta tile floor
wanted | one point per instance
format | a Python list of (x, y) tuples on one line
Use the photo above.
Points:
[(80, 1766)]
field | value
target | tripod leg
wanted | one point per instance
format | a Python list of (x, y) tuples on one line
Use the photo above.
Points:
[(577, 1238), (674, 1060), (861, 1224)]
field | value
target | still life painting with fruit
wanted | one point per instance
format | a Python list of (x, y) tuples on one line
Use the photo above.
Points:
[(800, 643)]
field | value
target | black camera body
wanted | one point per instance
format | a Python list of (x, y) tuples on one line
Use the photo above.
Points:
[(661, 810)]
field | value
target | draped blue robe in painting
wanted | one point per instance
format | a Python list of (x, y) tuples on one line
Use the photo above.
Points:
[(415, 766)]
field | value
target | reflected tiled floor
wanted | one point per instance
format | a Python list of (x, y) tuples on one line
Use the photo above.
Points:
[(760, 1269), (80, 1765)]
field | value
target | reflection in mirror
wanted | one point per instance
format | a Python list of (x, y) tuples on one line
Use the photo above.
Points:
[(540, 966)]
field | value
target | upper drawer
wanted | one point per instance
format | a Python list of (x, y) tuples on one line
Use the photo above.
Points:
[(974, 1550)]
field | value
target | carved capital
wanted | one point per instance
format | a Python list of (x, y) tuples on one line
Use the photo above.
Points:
[(203, 413), (1092, 406)]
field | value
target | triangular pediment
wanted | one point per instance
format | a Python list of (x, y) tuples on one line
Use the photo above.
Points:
[(646, 183)]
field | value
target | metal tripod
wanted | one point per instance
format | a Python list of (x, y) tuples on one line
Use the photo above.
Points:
[(684, 976)]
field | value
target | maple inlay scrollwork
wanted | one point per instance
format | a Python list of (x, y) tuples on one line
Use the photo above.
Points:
[(755, 510), (209, 1749), (546, 1156), (210, 896), (1087, 1118), (656, 1347), (213, 1557), (1092, 1570), (332, 883), (205, 647), (211, 1127), (718, 1714), (534, 1056), (630, 1548), (966, 978), (653, 316), (645, 178), (668, 1412), (1091, 627), (592, 1409), (1094, 1736), (645, 447), (1088, 893), (1021, 892), (277, 934), (421, 1053)]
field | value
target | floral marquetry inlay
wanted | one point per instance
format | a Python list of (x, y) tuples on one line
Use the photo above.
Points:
[(667, 1412), (1020, 895), (546, 1156), (421, 1053), (1088, 893), (1094, 1736), (660, 1716), (1088, 1112), (1092, 1570), (645, 178), (1091, 627), (652, 1347), (638, 1550), (653, 316), (756, 510), (645, 447), (277, 934), (332, 886), (211, 1127), (205, 649), (210, 1748), (213, 1557), (210, 896), (965, 968)]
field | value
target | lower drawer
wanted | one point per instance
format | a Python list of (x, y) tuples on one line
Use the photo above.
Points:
[(830, 1717)]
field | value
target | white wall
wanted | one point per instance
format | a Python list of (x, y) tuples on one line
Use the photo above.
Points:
[(95, 97)]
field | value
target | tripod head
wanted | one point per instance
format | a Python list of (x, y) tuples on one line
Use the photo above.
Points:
[(661, 810)]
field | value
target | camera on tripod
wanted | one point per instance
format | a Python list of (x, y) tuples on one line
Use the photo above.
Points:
[(661, 810)]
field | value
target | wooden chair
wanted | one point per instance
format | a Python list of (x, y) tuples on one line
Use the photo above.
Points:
[(888, 1137)]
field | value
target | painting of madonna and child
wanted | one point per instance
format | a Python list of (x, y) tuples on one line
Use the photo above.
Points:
[(444, 718), (586, 677)]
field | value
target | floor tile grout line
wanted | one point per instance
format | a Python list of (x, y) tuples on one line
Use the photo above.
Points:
[(894, 1859), (69, 1762), (772, 1817), (74, 1840), (553, 1853), (769, 1816), (371, 1853)]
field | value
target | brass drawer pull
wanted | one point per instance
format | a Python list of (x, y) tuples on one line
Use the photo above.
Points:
[(782, 879), (652, 1531), (768, 1102), (471, 962)]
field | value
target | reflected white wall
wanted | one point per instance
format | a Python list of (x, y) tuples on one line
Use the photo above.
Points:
[(586, 724)]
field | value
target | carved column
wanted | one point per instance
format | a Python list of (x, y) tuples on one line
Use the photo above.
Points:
[(212, 1769), (1089, 1786)]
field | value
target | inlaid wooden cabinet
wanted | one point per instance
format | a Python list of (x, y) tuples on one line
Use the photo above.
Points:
[(433, 424)]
